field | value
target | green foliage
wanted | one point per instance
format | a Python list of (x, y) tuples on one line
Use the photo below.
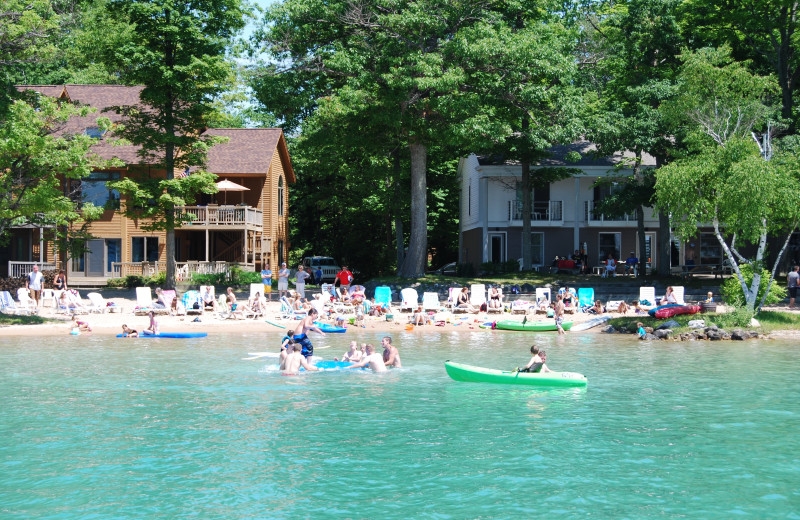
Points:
[(491, 268), (209, 279), (737, 317), (465, 270), (734, 295), (240, 277), (34, 161)]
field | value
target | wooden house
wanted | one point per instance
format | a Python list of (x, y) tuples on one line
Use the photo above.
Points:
[(247, 228)]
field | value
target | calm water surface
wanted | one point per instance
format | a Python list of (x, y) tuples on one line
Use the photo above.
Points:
[(95, 427)]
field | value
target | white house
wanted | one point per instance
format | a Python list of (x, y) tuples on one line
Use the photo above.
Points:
[(563, 217)]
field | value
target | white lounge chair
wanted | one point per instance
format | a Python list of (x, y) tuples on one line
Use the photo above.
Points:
[(679, 292), (543, 299), (49, 294), (96, 303), (521, 306), (7, 304), (648, 295), (497, 309), (430, 302), (409, 299), (26, 304), (477, 295)]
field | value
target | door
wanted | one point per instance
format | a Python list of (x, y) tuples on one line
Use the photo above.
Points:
[(95, 258), (497, 248)]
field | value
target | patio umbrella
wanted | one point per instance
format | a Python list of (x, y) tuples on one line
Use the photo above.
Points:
[(226, 186)]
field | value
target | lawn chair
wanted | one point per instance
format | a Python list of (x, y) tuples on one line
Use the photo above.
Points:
[(543, 299), (571, 304), (521, 306), (430, 302), (409, 299), (170, 296), (477, 295), (585, 298), (224, 311), (49, 294), (328, 292), (679, 293), (383, 295), (7, 305), (96, 303), (144, 301), (290, 313), (26, 304), (647, 297), (497, 309), (452, 300), (189, 300)]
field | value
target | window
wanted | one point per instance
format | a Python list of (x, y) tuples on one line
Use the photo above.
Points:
[(537, 248), (608, 243), (144, 249), (94, 132), (94, 190), (280, 196), (280, 252), (710, 250)]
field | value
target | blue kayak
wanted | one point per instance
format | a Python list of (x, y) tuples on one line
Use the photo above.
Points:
[(327, 329), (171, 335)]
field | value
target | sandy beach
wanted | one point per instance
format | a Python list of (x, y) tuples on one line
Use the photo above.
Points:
[(110, 323)]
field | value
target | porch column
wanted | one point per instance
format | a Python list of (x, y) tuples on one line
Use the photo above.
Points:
[(576, 228), (206, 244), (245, 246), (41, 246), (483, 211)]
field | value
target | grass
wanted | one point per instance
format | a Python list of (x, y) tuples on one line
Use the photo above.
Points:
[(10, 319), (770, 321)]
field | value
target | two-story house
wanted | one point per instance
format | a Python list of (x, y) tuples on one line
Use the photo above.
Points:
[(248, 227), (563, 218)]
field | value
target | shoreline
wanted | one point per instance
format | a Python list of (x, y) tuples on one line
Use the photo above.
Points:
[(110, 324)]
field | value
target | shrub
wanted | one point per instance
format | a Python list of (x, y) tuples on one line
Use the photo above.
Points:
[(511, 266), (734, 295), (116, 283), (208, 279), (465, 270), (738, 317), (489, 268)]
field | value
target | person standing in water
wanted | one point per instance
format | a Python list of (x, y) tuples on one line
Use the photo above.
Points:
[(391, 356), (295, 360), (372, 359), (300, 332)]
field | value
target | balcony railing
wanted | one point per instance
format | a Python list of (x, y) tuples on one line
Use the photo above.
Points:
[(233, 216), (184, 270), (20, 269), (591, 215), (548, 211)]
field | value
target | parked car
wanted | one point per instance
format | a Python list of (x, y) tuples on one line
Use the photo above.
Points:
[(446, 270), (329, 267)]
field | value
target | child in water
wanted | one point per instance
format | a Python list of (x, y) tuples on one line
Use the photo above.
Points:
[(128, 332), (80, 325), (535, 364), (641, 332)]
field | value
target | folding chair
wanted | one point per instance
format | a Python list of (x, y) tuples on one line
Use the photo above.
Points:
[(409, 299)]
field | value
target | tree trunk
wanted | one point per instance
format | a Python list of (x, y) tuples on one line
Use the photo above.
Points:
[(525, 184), (414, 262), (398, 217), (664, 252), (642, 253)]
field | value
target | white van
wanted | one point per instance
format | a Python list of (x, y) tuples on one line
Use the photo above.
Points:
[(329, 267)]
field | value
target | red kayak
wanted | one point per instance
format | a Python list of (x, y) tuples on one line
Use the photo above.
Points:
[(668, 311)]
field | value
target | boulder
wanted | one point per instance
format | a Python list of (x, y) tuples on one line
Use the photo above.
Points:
[(739, 335), (663, 333), (754, 322), (714, 335), (649, 337), (696, 324), (610, 329), (527, 288)]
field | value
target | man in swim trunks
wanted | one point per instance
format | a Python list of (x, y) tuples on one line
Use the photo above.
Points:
[(559, 313), (371, 359), (302, 329), (391, 357), (295, 360)]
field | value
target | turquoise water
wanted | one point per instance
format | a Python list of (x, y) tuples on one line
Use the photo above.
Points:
[(95, 427)]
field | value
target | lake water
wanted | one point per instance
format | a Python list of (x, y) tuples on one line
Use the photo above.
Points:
[(96, 427)]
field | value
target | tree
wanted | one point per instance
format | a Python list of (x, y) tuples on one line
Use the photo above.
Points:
[(726, 181), (637, 44), (388, 60), (37, 166), (176, 51), (522, 74)]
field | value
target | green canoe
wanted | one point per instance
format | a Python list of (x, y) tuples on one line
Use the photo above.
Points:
[(531, 326), (472, 374)]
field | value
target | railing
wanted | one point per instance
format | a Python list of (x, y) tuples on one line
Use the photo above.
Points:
[(221, 216), (591, 215), (184, 270), (548, 211), (20, 269)]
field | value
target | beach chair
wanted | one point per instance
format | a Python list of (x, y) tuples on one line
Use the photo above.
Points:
[(477, 295), (170, 295), (571, 304), (409, 299), (430, 302), (452, 298), (223, 309), (585, 298), (383, 295), (96, 303), (543, 299), (256, 288), (192, 302), (26, 304), (521, 306), (498, 310), (144, 301), (49, 294), (7, 304), (679, 293), (647, 297), (289, 313), (328, 291)]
